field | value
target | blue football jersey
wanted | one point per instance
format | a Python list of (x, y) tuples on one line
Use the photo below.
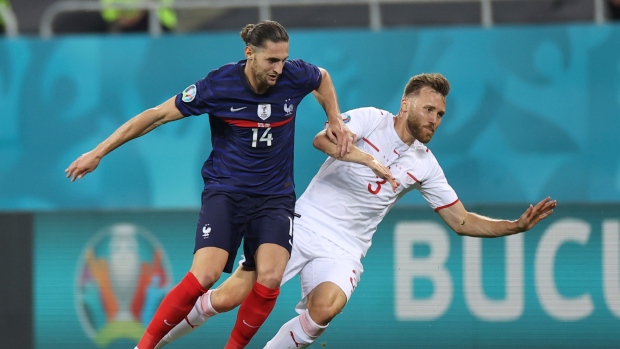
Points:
[(252, 134)]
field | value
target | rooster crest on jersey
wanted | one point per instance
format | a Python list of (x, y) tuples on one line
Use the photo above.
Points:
[(288, 108), (264, 111)]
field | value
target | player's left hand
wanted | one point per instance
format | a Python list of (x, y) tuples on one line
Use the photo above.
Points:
[(535, 214), (339, 134)]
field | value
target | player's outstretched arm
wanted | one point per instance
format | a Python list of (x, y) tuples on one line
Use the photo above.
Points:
[(472, 224), (137, 126), (324, 144), (337, 131)]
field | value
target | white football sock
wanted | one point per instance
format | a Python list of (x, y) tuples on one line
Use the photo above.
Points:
[(299, 332), (201, 312)]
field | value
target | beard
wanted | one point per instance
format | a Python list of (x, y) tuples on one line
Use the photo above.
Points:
[(420, 132), (262, 77)]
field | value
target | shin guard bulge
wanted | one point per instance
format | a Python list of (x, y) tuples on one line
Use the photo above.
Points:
[(252, 314), (200, 313), (172, 310), (298, 333)]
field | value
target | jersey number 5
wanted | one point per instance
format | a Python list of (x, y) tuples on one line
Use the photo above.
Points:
[(266, 137)]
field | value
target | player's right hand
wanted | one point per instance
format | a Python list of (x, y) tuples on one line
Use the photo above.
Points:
[(340, 135), (86, 163)]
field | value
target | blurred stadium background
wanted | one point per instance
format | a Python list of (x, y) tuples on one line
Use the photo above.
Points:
[(534, 112)]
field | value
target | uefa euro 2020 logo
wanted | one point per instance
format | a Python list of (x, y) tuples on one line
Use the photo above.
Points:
[(122, 277)]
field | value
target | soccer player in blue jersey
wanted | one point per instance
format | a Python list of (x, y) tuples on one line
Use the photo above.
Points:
[(249, 188)]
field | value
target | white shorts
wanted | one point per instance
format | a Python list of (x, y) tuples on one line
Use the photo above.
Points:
[(316, 259)]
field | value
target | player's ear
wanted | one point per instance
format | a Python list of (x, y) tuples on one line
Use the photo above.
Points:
[(404, 104), (249, 52)]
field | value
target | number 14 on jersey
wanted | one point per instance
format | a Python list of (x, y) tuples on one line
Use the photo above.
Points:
[(266, 137)]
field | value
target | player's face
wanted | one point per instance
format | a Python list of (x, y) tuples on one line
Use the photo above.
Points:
[(424, 114), (267, 62)]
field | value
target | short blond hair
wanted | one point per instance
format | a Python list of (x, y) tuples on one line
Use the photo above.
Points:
[(435, 81)]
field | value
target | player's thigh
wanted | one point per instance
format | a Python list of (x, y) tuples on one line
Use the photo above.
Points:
[(271, 224), (303, 251), (220, 225), (208, 264), (271, 258)]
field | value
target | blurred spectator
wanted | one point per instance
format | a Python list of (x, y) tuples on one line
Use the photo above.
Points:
[(112, 19), (136, 20), (613, 7), (4, 4)]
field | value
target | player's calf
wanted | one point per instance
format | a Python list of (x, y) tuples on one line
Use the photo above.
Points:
[(299, 332), (200, 313)]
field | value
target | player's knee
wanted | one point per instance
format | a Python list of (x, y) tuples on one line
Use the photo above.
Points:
[(269, 278), (323, 312), (207, 278), (226, 301)]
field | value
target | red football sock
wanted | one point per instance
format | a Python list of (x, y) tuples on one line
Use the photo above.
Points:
[(172, 310), (252, 313)]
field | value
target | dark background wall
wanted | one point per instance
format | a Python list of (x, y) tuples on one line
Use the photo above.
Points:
[(16, 278)]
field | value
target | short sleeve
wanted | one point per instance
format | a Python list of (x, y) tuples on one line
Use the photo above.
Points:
[(436, 190), (194, 99), (362, 121), (308, 75)]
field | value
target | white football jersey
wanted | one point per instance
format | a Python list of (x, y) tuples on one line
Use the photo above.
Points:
[(346, 201)]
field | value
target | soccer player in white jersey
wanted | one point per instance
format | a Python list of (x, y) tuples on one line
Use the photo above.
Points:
[(339, 212)]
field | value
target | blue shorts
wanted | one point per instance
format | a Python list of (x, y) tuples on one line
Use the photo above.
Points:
[(227, 218)]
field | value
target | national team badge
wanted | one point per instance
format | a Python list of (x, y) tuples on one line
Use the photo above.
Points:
[(189, 94), (121, 278), (264, 111)]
